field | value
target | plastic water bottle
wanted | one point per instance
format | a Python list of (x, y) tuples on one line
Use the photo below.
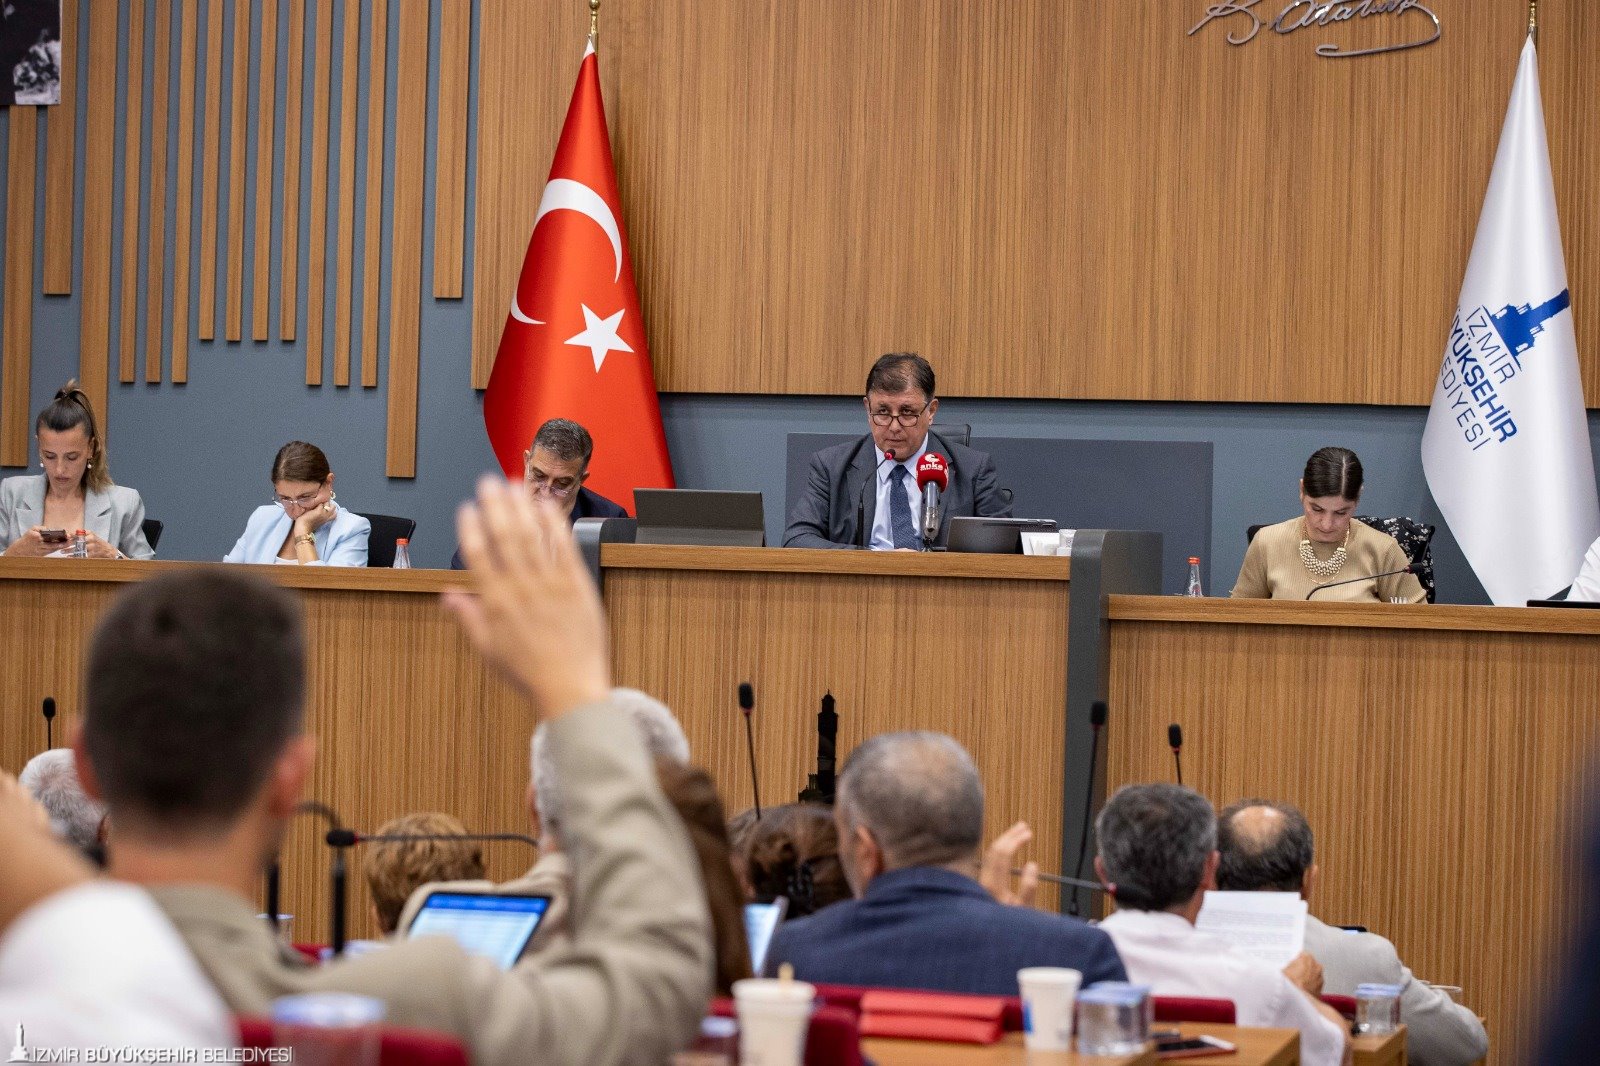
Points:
[(80, 544), (1194, 577), (402, 554)]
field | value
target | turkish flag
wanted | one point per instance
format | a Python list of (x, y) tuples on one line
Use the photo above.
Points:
[(574, 344)]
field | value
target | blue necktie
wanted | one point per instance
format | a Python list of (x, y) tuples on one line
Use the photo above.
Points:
[(901, 528)]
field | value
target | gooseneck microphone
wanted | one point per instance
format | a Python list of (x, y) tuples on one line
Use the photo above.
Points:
[(49, 722), (349, 838), (863, 533), (933, 477), (337, 876), (1175, 738), (1410, 568), (1097, 721), (747, 703), (1072, 882)]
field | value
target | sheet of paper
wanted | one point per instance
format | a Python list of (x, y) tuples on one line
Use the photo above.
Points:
[(1270, 926)]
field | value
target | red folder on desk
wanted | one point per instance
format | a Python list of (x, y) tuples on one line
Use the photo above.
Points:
[(932, 1016)]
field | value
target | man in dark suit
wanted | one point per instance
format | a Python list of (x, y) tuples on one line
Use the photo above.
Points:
[(838, 508), (555, 467), (910, 817)]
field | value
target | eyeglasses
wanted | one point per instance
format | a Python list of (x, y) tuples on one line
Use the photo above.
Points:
[(539, 481), (908, 418), (304, 500)]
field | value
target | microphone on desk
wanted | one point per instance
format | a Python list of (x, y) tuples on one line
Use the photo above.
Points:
[(49, 722), (933, 477), (1097, 721), (1409, 568), (821, 787), (861, 502), (1175, 738), (337, 875), (747, 703)]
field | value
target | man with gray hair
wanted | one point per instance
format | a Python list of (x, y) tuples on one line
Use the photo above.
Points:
[(1158, 849), (910, 818), (551, 876), (1268, 847), (52, 778), (554, 468)]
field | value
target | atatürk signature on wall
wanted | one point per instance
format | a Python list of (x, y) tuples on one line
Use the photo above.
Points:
[(1301, 14)]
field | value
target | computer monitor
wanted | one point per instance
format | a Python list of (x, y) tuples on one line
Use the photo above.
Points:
[(1590, 605), (995, 536), (700, 516), (760, 922)]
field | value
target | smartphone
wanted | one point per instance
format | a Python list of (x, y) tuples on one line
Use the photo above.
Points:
[(53, 536), (1193, 1047)]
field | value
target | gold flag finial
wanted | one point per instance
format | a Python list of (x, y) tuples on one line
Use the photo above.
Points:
[(594, 21), (1533, 19)]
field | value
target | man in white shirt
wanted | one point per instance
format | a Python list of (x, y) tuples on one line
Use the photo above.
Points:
[(1268, 847), (85, 963), (1586, 586), (1158, 846)]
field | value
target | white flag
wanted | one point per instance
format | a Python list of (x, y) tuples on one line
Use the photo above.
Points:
[(1506, 447)]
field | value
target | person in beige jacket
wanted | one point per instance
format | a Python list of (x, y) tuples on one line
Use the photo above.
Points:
[(193, 736)]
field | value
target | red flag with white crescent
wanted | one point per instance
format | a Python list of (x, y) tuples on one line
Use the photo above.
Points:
[(574, 344)]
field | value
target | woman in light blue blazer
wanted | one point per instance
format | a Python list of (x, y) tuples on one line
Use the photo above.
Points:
[(40, 512), (304, 526)]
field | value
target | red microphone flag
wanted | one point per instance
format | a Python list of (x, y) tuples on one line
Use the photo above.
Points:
[(933, 468), (574, 344)]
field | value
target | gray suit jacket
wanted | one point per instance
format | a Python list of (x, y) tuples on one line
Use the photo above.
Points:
[(116, 516), (630, 988), (830, 512), (1439, 1031)]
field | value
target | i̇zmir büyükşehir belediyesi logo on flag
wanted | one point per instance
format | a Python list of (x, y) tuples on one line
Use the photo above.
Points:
[(1486, 350)]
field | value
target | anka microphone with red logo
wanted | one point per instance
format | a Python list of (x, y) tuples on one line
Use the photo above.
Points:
[(933, 477)]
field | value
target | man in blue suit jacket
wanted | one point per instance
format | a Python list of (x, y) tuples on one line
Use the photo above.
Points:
[(555, 466), (910, 816), (854, 494)]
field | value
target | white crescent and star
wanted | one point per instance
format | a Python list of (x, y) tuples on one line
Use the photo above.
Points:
[(600, 336), (564, 194)]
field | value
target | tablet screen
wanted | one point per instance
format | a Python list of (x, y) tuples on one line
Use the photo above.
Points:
[(495, 926), (760, 922)]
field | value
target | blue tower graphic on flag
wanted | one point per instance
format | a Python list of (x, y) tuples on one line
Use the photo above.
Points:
[(1518, 326)]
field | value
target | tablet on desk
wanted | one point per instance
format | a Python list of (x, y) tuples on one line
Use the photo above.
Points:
[(497, 926), (760, 922)]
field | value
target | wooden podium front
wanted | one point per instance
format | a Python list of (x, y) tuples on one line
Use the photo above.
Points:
[(970, 645), (1438, 752)]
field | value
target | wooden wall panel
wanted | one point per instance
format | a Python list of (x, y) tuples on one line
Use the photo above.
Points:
[(183, 202), (1045, 202), (99, 173), (16, 329), (293, 135), (344, 261), (210, 169), (156, 260), (372, 231), (132, 158), (266, 117), (317, 239), (238, 138), (61, 125), (405, 276), (1386, 738), (450, 151)]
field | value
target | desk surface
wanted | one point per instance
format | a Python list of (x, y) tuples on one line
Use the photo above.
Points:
[(124, 571), (1257, 1047), (831, 561), (1224, 611)]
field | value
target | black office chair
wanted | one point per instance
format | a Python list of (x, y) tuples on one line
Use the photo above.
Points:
[(152, 532), (386, 530), (1415, 539), (959, 432)]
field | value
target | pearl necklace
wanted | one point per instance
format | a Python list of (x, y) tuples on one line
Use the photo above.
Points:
[(1321, 568)]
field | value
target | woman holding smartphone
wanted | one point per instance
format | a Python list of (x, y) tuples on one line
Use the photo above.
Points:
[(303, 524), (39, 513)]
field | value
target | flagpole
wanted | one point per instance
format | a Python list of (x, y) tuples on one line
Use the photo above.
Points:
[(594, 22)]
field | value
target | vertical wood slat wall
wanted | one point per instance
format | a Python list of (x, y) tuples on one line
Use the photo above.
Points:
[(122, 285)]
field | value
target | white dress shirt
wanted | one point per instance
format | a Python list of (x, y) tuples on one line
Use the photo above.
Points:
[(1166, 952), (100, 966), (882, 534), (1586, 586)]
